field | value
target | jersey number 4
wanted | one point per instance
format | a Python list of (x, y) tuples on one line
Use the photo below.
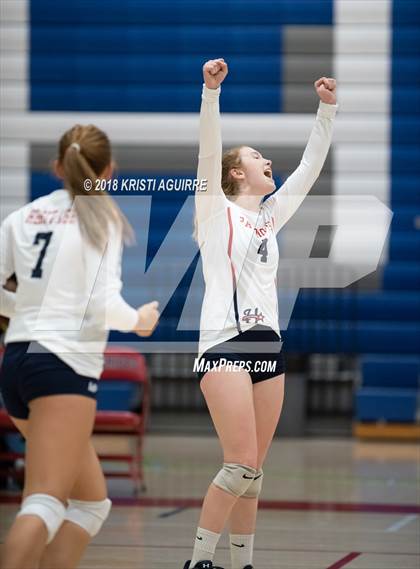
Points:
[(263, 251), (46, 237)]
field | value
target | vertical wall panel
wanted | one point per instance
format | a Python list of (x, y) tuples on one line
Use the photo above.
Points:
[(362, 42), (14, 89)]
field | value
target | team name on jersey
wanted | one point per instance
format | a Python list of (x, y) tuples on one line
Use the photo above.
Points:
[(50, 216), (259, 231)]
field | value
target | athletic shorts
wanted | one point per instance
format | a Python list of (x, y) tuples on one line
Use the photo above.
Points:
[(27, 376), (257, 351)]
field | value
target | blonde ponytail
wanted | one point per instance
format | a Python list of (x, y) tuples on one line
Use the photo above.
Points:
[(84, 154)]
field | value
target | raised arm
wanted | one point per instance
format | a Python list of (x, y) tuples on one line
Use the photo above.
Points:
[(289, 197), (208, 202)]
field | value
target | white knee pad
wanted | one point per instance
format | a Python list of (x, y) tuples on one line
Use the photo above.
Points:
[(234, 478), (49, 509), (254, 489), (88, 515)]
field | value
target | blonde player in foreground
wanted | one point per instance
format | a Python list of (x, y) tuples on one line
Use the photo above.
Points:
[(239, 329), (65, 249)]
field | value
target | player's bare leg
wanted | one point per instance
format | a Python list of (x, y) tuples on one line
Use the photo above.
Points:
[(57, 432), (229, 398), (268, 403), (71, 541)]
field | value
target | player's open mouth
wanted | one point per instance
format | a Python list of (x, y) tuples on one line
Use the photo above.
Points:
[(268, 174)]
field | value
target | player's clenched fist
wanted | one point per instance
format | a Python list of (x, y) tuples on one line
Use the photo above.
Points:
[(326, 88), (214, 73), (148, 316)]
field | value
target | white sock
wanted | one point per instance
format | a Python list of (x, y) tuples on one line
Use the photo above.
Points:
[(241, 550), (205, 546)]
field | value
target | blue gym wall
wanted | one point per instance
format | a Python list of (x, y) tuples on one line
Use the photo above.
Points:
[(146, 56), (389, 389)]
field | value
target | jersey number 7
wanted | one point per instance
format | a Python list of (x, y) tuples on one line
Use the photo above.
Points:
[(46, 237)]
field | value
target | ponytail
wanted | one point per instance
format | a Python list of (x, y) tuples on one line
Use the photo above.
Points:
[(84, 154)]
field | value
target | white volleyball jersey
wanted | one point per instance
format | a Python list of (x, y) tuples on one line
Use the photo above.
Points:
[(68, 294), (238, 246)]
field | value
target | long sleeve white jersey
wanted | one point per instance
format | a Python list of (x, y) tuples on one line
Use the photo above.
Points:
[(238, 246), (68, 294)]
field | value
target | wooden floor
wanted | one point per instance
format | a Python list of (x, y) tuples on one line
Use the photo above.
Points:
[(326, 504)]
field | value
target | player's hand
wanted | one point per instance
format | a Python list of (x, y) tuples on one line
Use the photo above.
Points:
[(214, 73), (148, 317), (326, 88)]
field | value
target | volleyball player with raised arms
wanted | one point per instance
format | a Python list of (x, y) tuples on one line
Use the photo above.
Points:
[(65, 250), (239, 328)]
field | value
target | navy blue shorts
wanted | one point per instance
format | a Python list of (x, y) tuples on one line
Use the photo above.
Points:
[(257, 351), (26, 376)]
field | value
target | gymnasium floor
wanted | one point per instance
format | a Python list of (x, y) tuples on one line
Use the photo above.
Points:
[(326, 504)]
